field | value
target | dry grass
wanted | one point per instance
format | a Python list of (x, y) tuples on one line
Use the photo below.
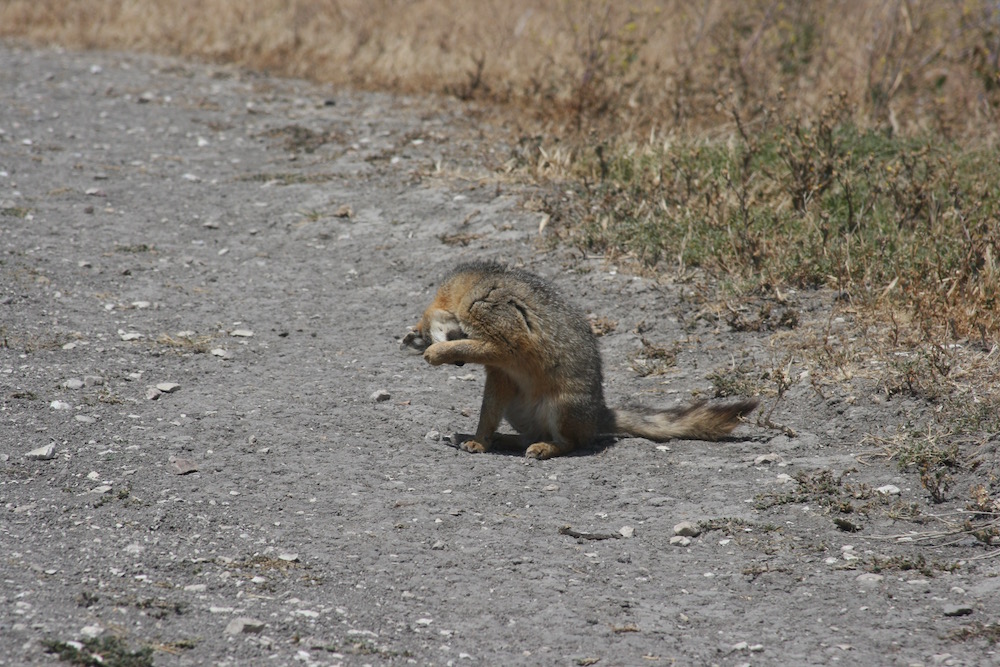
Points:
[(904, 64)]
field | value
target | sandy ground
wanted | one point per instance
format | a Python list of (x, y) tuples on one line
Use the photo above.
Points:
[(204, 276)]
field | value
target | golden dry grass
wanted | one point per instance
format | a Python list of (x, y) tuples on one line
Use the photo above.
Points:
[(904, 64)]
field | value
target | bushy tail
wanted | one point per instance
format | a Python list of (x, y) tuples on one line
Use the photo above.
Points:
[(698, 421)]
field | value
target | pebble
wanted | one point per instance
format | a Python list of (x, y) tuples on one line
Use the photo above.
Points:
[(221, 353), (91, 631), (380, 396), (168, 387), (182, 467), (244, 625), (59, 405), (957, 610), (433, 436), (888, 490), (93, 380), (687, 529), (626, 531), (152, 393), (768, 459), (680, 541), (129, 335), (869, 579), (45, 453), (241, 333), (289, 557), (101, 490), (196, 588), (85, 419), (73, 383)]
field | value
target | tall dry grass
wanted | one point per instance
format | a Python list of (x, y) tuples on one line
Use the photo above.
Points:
[(625, 67)]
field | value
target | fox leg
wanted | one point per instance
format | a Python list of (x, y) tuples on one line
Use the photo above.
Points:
[(496, 395), (546, 450), (465, 350), (576, 426)]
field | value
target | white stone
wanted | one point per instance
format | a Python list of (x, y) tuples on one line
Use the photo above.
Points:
[(687, 529), (42, 453), (244, 625)]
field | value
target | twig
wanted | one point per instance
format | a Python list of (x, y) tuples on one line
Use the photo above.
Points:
[(568, 530)]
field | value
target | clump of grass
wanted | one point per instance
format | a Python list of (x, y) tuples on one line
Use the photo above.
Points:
[(811, 201), (107, 651), (901, 563)]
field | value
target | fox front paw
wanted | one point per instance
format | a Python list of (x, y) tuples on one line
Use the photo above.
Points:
[(474, 447), (438, 354)]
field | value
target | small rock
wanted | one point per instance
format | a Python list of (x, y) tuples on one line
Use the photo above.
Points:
[(59, 405), (129, 335), (101, 490), (244, 625), (168, 387), (869, 579), (182, 467), (957, 610), (45, 453), (625, 557), (289, 557), (768, 459), (680, 541), (433, 436), (221, 353), (687, 529), (196, 588), (438, 546), (381, 395), (93, 380), (785, 478), (626, 531), (140, 305), (91, 631), (888, 490), (152, 393), (345, 211), (85, 419), (73, 383), (241, 333)]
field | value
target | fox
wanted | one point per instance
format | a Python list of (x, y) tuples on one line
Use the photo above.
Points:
[(543, 367)]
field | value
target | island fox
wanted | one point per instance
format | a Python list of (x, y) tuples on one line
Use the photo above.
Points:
[(543, 366)]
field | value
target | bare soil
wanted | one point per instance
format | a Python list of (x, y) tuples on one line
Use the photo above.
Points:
[(153, 213)]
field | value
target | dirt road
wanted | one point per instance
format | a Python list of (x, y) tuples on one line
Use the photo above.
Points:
[(204, 276)]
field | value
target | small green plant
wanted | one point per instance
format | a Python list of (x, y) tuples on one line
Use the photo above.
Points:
[(107, 651)]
